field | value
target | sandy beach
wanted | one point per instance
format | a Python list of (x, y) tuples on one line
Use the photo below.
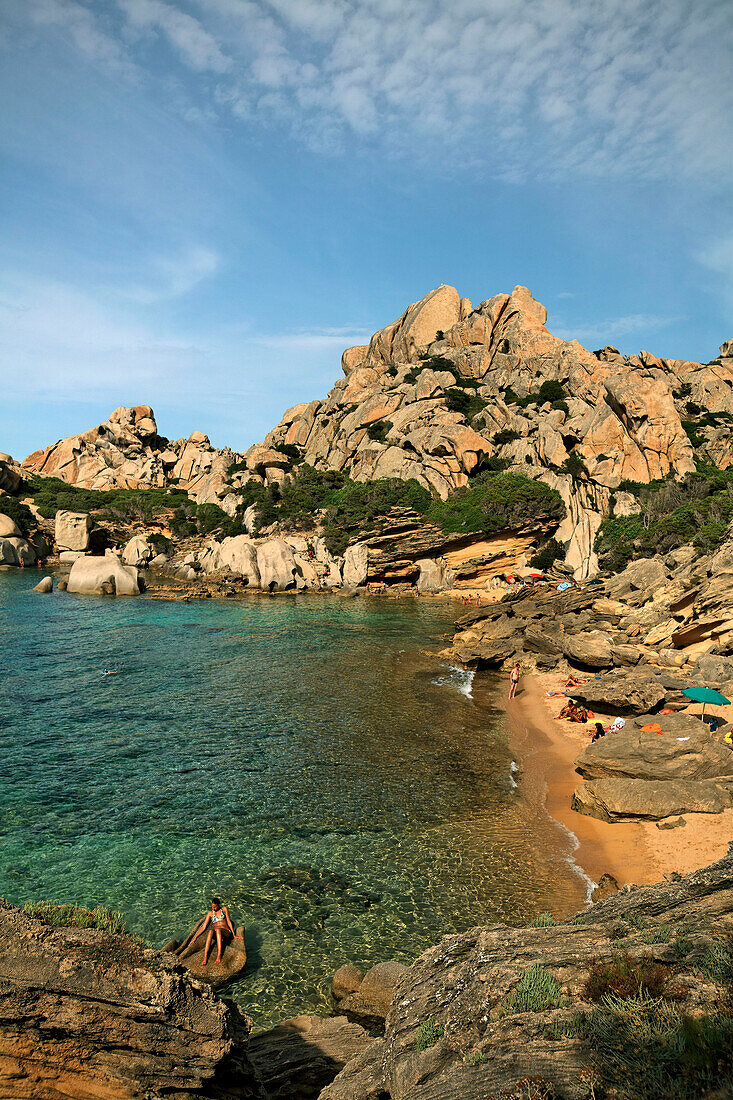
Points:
[(633, 852)]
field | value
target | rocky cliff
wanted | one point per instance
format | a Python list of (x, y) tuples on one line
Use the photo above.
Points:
[(126, 452), (447, 388), (630, 999), (443, 393)]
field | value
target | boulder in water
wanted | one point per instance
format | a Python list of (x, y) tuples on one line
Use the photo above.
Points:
[(232, 965), (107, 574), (46, 585)]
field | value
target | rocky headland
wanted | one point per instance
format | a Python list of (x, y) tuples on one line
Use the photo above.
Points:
[(629, 999)]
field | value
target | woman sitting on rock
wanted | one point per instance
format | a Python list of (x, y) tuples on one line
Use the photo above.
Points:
[(219, 923)]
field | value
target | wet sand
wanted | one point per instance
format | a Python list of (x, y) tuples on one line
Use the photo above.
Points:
[(633, 852)]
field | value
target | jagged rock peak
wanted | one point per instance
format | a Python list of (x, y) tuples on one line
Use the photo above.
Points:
[(126, 452)]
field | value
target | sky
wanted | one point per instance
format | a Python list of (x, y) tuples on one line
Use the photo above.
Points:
[(203, 202)]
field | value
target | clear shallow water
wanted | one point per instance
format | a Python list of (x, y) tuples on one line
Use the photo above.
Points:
[(349, 794)]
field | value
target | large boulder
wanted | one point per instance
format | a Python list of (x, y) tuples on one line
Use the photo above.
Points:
[(16, 551), (369, 1004), (238, 554), (619, 694), (45, 585), (276, 564), (589, 648), (72, 530), (8, 527), (650, 799), (356, 565), (103, 575), (685, 750), (638, 581), (432, 576), (138, 552)]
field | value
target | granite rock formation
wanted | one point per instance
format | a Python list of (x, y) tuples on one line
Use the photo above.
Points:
[(401, 410), (438, 395), (87, 1014), (126, 452)]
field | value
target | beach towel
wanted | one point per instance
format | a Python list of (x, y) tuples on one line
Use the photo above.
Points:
[(653, 727)]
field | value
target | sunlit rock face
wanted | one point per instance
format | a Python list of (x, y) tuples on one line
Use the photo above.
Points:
[(440, 394)]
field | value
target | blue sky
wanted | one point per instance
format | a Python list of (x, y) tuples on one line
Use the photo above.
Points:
[(204, 201)]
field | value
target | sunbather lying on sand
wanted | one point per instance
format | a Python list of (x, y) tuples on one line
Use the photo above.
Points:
[(219, 923)]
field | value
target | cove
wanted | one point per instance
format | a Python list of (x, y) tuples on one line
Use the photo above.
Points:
[(311, 759)]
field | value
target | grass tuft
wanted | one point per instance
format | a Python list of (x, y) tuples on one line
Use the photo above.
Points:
[(76, 916), (428, 1033), (536, 991), (544, 920)]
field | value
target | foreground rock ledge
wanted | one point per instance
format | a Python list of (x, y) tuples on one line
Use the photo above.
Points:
[(85, 1014)]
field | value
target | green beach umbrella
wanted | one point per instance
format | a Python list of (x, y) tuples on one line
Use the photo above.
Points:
[(706, 695)]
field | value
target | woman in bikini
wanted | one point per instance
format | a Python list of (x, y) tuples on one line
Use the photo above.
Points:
[(219, 923)]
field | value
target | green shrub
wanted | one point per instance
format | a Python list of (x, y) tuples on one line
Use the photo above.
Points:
[(20, 514), (575, 466), (428, 1033), (536, 991), (236, 467), (625, 977), (76, 916), (468, 405), (543, 920), (506, 435), (693, 435), (290, 451), (646, 1048), (496, 502), (696, 509), (379, 430), (547, 555), (550, 391)]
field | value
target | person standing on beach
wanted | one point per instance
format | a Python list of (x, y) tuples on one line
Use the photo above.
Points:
[(513, 681)]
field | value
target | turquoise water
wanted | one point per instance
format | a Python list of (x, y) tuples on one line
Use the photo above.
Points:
[(311, 759)]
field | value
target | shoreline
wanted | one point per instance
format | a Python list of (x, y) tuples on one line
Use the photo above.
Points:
[(633, 852)]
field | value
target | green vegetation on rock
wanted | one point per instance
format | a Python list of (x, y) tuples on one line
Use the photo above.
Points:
[(428, 1034), (51, 494), (497, 502), (348, 509), (696, 509), (645, 1048), (536, 991), (18, 512), (76, 916)]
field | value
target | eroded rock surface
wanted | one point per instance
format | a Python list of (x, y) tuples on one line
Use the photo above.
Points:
[(451, 1033), (87, 1014)]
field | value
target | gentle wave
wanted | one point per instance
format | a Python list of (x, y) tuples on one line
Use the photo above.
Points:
[(459, 678)]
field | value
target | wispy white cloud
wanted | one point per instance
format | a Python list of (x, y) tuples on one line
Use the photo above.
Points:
[(173, 276), (600, 333), (552, 90), (194, 44)]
